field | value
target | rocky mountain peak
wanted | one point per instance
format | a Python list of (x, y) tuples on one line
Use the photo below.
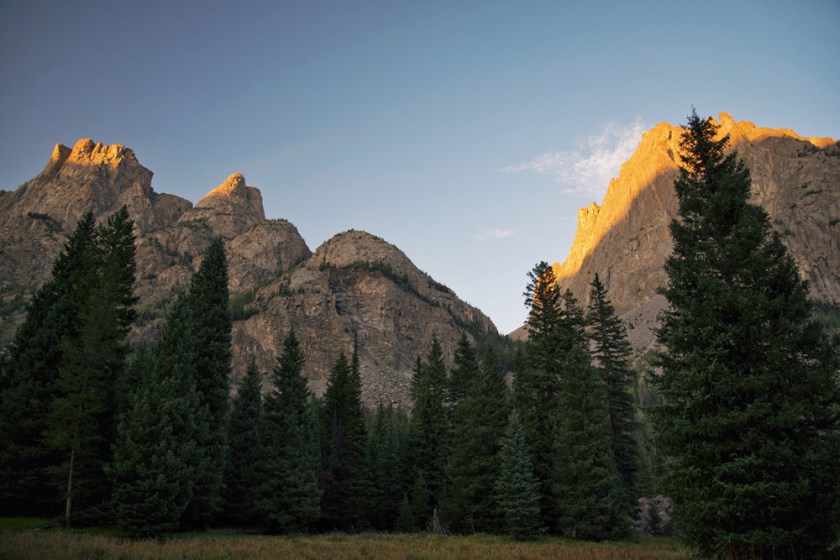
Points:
[(626, 238), (229, 209)]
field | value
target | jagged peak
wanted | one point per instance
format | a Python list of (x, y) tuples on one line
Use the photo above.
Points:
[(233, 186), (88, 151)]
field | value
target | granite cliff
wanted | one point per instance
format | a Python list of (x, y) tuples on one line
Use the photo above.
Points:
[(354, 287), (626, 238)]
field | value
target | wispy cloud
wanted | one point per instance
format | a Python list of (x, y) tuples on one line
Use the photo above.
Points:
[(588, 168), (489, 233)]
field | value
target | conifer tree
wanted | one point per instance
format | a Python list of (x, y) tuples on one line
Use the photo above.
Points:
[(30, 374), (80, 426), (611, 351), (474, 461), (241, 470), (386, 452), (286, 496), (211, 327), (345, 478), (750, 383), (429, 429), (517, 489), (591, 502), (157, 452), (462, 375)]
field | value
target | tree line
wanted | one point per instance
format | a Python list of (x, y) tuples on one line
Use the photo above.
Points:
[(748, 417)]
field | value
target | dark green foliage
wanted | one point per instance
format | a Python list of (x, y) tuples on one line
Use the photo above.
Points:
[(611, 351), (429, 428), (211, 326), (749, 382), (405, 518), (34, 358), (474, 461), (462, 375), (345, 478), (591, 504), (421, 503), (517, 490), (241, 470), (387, 447), (157, 453), (286, 496)]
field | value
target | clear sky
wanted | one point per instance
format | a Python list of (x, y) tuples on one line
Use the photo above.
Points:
[(466, 133)]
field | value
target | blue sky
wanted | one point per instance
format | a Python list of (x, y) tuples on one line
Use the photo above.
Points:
[(466, 133)]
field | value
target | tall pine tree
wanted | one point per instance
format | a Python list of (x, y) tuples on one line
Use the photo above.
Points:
[(474, 461), (286, 496), (611, 352), (517, 489), (345, 478), (241, 470), (211, 326), (158, 451), (750, 383)]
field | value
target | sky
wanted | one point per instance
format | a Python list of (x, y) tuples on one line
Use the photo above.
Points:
[(466, 133)]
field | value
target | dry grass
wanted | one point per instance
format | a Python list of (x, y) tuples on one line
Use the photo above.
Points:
[(54, 543)]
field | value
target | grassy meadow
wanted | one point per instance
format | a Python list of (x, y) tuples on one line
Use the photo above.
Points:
[(23, 540)]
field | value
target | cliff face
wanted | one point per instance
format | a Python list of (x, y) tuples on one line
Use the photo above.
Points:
[(354, 287), (626, 239)]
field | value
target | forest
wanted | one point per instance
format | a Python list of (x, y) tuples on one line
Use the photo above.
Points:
[(150, 438)]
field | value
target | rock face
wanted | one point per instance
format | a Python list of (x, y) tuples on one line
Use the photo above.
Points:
[(355, 287), (626, 239)]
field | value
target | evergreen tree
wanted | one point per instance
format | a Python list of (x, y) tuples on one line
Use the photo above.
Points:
[(428, 429), (749, 381), (157, 453), (386, 452), (611, 351), (462, 375), (80, 427), (30, 377), (474, 462), (591, 504), (517, 489), (286, 497), (345, 478), (211, 326), (241, 471)]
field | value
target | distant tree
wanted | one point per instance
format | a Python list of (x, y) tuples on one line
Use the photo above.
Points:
[(591, 502), (405, 518), (286, 496), (462, 375), (474, 460), (211, 327), (241, 471), (428, 431), (345, 478), (517, 489), (611, 352), (749, 382), (157, 452)]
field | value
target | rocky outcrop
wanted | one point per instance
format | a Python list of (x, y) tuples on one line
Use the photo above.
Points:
[(626, 239), (355, 288)]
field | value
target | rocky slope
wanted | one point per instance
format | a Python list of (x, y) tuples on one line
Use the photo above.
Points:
[(354, 287), (626, 239)]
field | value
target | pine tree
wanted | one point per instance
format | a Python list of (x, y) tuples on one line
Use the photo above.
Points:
[(211, 327), (30, 374), (517, 489), (611, 351), (591, 502), (386, 452), (474, 461), (241, 473), (157, 453), (345, 478), (749, 381), (286, 496), (462, 375), (80, 427), (428, 431)]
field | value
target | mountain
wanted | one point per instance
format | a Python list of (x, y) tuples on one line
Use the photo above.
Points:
[(356, 286), (626, 239)]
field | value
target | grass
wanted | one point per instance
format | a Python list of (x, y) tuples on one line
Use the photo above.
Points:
[(22, 539)]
